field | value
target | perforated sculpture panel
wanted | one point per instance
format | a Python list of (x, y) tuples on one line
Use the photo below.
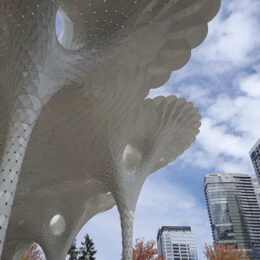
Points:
[(74, 119)]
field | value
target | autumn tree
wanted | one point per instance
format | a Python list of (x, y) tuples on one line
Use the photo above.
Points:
[(223, 252), (33, 253), (145, 251)]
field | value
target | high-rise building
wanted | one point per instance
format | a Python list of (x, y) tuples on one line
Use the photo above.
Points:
[(234, 211), (255, 157), (176, 243), (257, 189)]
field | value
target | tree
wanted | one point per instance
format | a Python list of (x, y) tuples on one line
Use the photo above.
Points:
[(223, 252), (34, 253), (87, 251), (145, 251), (73, 251)]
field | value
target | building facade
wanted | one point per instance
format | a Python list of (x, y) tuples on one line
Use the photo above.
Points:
[(255, 157), (234, 211), (176, 243), (257, 189)]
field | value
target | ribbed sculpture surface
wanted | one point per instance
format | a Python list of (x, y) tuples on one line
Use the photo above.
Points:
[(74, 118)]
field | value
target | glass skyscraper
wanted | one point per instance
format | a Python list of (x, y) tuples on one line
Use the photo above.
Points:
[(176, 243), (257, 189), (255, 157), (234, 211)]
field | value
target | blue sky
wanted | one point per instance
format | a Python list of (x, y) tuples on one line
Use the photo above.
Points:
[(222, 80)]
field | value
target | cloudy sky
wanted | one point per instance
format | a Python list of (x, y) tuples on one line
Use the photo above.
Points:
[(222, 80)]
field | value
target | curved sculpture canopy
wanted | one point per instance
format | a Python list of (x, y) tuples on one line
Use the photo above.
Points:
[(76, 128)]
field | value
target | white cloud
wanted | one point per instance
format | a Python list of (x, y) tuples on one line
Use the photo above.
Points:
[(209, 162), (251, 85), (233, 35), (229, 129), (222, 109), (216, 139)]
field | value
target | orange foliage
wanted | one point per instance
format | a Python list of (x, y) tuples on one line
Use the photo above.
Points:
[(34, 253), (145, 251), (25, 257), (223, 252)]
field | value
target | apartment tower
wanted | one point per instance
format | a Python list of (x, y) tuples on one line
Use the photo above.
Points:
[(234, 211)]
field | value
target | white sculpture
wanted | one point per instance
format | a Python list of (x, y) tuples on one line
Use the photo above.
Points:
[(74, 121)]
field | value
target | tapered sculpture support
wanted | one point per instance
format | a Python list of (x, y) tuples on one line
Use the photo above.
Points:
[(126, 197), (21, 122), (127, 221), (126, 207)]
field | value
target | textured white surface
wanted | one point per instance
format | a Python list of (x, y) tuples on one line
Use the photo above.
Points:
[(74, 122)]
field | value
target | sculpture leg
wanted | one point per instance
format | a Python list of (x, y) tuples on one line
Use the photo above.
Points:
[(126, 196), (127, 219), (20, 126)]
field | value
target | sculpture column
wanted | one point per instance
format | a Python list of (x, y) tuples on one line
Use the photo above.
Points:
[(21, 122), (126, 195), (24, 88), (127, 221)]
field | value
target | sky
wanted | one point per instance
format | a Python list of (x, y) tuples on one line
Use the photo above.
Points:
[(222, 80)]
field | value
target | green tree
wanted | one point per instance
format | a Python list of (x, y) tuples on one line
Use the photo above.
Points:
[(87, 251), (73, 251)]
